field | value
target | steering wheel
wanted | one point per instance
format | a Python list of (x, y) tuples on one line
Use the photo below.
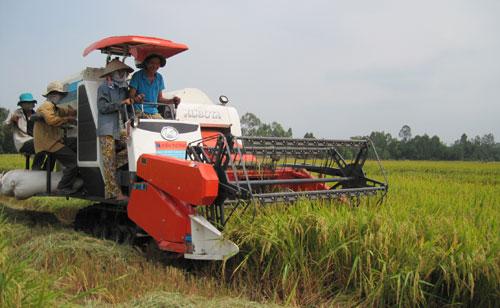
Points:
[(169, 112)]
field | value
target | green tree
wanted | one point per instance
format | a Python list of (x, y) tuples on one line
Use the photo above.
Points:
[(405, 133), (382, 142), (251, 125), (309, 135)]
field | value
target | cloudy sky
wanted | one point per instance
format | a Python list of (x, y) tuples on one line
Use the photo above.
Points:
[(334, 68)]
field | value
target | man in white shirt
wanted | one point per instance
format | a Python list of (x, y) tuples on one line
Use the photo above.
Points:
[(22, 127)]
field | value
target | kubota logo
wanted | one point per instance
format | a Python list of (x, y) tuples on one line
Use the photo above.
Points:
[(203, 114), (169, 133)]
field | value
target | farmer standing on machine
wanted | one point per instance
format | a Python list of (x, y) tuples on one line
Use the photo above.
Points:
[(146, 87), (22, 129), (111, 96)]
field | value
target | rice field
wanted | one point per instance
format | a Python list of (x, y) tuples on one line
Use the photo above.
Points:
[(435, 241)]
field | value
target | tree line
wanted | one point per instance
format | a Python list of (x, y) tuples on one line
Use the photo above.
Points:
[(388, 147), (432, 148)]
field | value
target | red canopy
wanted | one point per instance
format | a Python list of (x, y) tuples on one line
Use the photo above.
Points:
[(137, 46)]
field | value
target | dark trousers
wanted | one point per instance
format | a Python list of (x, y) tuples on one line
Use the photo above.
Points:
[(67, 157), (29, 148)]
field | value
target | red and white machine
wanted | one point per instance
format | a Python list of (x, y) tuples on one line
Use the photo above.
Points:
[(187, 175)]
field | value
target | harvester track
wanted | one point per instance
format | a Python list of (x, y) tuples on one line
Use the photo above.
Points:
[(108, 221)]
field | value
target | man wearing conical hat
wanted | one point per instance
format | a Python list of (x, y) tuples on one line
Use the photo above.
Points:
[(112, 96), (48, 135), (22, 128)]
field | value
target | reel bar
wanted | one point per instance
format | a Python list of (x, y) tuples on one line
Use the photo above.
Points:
[(316, 194), (263, 150), (317, 169), (304, 142), (295, 181)]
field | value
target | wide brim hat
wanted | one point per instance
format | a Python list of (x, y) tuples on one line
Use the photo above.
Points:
[(26, 98), (115, 65), (163, 60), (55, 86)]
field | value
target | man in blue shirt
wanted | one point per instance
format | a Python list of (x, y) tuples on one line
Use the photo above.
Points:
[(146, 87)]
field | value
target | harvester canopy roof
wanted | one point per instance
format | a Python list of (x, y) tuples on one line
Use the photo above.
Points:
[(137, 46)]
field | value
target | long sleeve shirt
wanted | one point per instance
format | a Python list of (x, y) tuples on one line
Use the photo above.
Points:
[(47, 134), (20, 130), (109, 104)]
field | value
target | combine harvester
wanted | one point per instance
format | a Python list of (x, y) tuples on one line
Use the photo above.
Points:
[(188, 174)]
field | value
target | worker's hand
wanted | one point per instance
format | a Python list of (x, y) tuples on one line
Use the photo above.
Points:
[(127, 101), (176, 100), (14, 119), (71, 120), (139, 98), (71, 111)]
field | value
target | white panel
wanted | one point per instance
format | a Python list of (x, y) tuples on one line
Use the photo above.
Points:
[(143, 141), (208, 242)]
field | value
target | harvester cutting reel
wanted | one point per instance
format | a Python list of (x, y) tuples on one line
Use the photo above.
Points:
[(273, 170)]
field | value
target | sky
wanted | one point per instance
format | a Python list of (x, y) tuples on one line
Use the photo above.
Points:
[(334, 68)]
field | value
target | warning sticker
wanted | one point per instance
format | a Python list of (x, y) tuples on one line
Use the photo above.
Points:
[(175, 149)]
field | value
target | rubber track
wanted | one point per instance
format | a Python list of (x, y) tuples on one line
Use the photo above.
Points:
[(108, 221)]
